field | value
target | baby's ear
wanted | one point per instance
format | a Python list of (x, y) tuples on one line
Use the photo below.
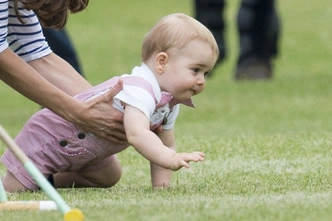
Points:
[(161, 62)]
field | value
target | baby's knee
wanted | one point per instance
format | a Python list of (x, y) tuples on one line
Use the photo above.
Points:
[(106, 176), (113, 173)]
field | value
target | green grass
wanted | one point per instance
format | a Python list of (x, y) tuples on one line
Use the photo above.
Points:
[(267, 144)]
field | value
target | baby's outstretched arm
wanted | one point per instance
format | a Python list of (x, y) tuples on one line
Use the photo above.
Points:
[(149, 145)]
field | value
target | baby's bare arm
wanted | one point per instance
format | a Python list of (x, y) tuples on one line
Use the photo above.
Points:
[(151, 146)]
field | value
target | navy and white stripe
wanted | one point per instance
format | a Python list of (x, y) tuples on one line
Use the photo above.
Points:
[(26, 40)]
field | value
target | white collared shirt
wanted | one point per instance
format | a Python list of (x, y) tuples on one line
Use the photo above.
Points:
[(143, 100)]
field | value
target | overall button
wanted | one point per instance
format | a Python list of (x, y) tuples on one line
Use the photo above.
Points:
[(81, 136), (63, 143)]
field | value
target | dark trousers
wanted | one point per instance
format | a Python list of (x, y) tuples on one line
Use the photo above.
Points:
[(258, 26), (61, 44)]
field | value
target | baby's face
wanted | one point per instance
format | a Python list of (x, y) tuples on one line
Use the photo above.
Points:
[(187, 69)]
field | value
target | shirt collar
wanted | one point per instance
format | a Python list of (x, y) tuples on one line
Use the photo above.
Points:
[(162, 97), (168, 98)]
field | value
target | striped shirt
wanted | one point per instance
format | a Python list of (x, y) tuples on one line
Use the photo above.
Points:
[(27, 39)]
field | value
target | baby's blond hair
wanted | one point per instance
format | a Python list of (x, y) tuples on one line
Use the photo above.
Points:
[(175, 31)]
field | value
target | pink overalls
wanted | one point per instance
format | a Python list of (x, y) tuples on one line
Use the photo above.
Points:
[(55, 145)]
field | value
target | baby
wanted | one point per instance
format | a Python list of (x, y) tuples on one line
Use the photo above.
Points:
[(177, 54)]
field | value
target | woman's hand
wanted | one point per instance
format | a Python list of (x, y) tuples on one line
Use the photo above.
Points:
[(101, 118)]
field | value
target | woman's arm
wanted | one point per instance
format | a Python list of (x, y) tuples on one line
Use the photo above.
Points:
[(96, 116), (60, 73)]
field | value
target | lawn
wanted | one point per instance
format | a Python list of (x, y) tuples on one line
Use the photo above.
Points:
[(267, 143)]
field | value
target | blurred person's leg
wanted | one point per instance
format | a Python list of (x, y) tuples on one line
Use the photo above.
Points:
[(210, 13), (61, 44), (258, 26)]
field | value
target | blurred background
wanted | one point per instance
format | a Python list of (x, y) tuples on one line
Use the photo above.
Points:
[(108, 38)]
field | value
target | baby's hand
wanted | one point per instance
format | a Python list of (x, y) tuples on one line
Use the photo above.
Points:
[(182, 159)]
